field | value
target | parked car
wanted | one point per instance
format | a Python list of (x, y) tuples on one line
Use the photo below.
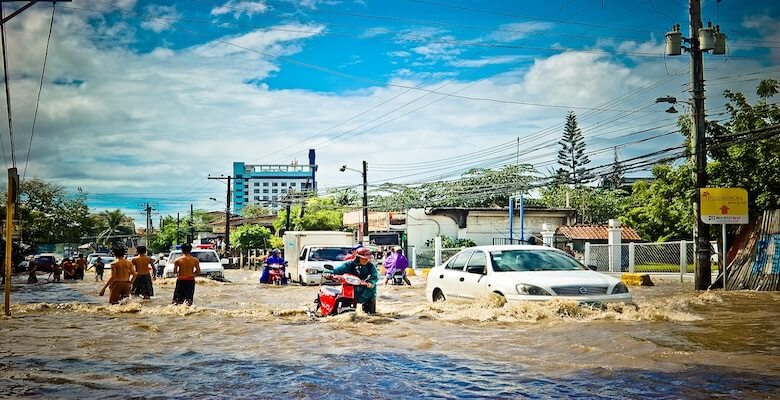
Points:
[(521, 273), (45, 262), (92, 256), (210, 264)]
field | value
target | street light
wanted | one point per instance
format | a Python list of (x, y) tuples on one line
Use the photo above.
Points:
[(365, 196)]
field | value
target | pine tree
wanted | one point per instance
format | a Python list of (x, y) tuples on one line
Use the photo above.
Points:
[(572, 154), (615, 178)]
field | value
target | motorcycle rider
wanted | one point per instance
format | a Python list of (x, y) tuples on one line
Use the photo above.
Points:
[(396, 262), (275, 258), (362, 267)]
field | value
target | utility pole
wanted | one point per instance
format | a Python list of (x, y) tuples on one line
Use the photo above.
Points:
[(287, 223), (13, 176), (191, 235), (701, 40), (703, 278), (148, 209), (365, 202), (227, 211), (177, 228)]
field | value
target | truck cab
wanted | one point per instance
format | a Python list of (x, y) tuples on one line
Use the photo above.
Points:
[(307, 253), (314, 258)]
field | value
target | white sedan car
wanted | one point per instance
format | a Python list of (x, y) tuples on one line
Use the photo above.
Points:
[(210, 264), (521, 273)]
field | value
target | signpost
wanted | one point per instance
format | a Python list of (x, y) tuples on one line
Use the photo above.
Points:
[(724, 206)]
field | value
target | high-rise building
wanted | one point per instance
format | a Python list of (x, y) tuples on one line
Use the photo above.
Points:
[(269, 185)]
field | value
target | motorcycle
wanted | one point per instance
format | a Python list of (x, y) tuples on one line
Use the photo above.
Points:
[(334, 300), (397, 278), (275, 274)]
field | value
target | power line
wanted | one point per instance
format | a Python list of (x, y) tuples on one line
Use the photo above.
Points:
[(40, 88)]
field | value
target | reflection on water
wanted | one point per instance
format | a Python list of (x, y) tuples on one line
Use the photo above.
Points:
[(243, 340)]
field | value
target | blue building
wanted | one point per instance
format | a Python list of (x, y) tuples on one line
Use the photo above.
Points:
[(268, 185)]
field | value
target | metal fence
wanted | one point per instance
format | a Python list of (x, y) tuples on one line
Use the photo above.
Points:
[(426, 258), (666, 257)]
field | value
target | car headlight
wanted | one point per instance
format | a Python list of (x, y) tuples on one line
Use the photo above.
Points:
[(531, 290), (619, 288)]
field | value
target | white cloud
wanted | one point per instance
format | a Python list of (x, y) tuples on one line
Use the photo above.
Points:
[(401, 54), (238, 8), (374, 32), (162, 121), (519, 30), (481, 62), (160, 18)]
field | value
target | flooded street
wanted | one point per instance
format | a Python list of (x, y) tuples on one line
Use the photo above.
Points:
[(244, 340)]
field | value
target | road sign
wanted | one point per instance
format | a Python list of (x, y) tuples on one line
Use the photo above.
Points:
[(724, 206)]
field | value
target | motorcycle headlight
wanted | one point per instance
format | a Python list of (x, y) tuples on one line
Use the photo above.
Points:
[(619, 288), (531, 290)]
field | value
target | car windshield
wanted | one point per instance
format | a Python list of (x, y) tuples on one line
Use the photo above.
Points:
[(329, 253), (532, 260), (206, 256)]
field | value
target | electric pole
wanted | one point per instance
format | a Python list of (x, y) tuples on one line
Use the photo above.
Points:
[(12, 196), (227, 211), (365, 202), (703, 278), (702, 39), (191, 236), (148, 209), (177, 228)]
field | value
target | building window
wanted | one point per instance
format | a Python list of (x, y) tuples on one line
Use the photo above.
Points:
[(284, 183), (275, 191), (284, 190), (275, 184), (257, 198), (265, 183), (257, 183), (292, 184), (265, 190), (257, 190), (275, 198), (265, 198)]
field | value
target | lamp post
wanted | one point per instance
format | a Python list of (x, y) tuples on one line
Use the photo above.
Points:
[(365, 195)]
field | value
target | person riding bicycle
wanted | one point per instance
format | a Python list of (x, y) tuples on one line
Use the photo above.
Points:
[(275, 258), (362, 267)]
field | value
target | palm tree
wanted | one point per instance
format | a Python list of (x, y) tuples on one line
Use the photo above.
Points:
[(111, 222)]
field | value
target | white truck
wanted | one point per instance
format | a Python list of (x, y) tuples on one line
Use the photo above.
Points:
[(307, 253)]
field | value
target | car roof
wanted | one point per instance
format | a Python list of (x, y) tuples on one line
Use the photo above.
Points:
[(505, 247), (46, 255)]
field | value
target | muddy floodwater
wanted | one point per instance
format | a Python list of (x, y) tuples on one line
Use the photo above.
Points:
[(243, 340)]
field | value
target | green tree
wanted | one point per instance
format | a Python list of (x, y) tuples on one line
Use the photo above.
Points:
[(572, 155), (320, 213), (250, 237), (662, 209), (113, 223), (254, 211), (166, 238), (48, 214), (478, 187), (593, 205), (615, 177), (750, 161)]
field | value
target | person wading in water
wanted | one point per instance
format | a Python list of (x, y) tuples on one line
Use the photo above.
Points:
[(142, 286), (186, 268), (122, 275)]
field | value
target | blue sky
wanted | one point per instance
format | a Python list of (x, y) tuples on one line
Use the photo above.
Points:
[(143, 100)]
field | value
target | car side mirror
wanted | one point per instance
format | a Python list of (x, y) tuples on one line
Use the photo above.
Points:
[(302, 257)]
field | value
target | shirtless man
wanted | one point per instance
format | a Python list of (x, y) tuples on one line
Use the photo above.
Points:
[(186, 268), (142, 285), (81, 265), (122, 275)]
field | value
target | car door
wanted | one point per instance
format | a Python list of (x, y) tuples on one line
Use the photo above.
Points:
[(474, 278), (450, 276)]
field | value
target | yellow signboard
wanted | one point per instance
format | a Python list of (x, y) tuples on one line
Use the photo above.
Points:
[(724, 206)]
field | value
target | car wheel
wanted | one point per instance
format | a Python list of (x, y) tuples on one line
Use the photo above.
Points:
[(498, 299), (300, 280), (438, 295)]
